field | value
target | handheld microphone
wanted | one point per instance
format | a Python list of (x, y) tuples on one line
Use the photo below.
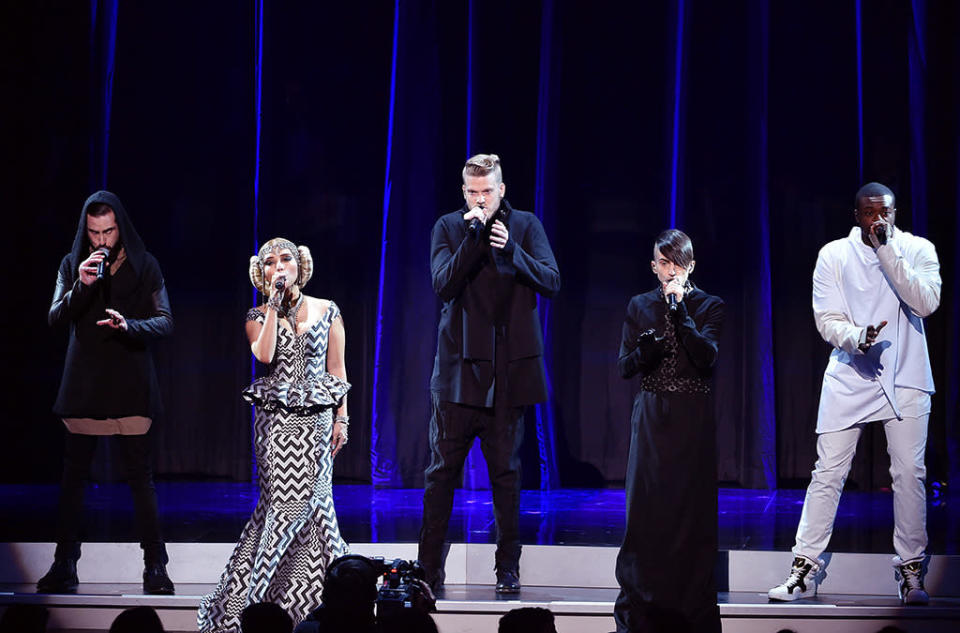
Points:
[(672, 302), (278, 284), (880, 231), (475, 226), (102, 264)]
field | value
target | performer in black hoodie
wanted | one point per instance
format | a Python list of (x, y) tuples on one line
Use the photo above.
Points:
[(110, 294), (665, 565)]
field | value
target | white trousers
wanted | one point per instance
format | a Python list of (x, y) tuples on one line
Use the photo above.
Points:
[(906, 444)]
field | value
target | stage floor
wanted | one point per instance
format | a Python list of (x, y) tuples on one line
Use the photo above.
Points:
[(215, 512)]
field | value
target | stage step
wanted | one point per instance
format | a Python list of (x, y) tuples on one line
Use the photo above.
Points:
[(472, 564), (476, 609), (576, 583)]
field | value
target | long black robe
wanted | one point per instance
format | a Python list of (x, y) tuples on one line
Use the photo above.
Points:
[(666, 563)]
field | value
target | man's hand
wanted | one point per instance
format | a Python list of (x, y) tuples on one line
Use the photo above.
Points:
[(674, 287), (872, 333), (476, 213), (499, 234), (882, 227), (88, 267), (649, 342), (116, 321)]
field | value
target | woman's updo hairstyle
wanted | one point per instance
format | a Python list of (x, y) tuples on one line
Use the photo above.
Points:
[(300, 253)]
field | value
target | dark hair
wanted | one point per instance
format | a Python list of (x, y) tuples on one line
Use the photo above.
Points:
[(98, 209), (407, 621), (675, 246), (873, 189), (350, 582), (265, 617), (137, 620), (24, 618), (527, 620)]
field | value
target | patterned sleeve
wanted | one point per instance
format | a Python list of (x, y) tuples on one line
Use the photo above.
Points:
[(332, 312), (253, 314)]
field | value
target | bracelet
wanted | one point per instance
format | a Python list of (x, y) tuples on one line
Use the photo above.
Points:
[(343, 419), (274, 302)]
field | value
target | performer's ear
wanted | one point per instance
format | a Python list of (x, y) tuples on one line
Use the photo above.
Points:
[(690, 267)]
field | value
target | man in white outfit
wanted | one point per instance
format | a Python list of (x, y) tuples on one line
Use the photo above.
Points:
[(871, 291)]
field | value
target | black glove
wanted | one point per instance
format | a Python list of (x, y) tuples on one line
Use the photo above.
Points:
[(650, 345)]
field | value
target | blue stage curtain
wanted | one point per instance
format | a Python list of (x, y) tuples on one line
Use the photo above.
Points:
[(748, 125), (103, 41), (406, 323)]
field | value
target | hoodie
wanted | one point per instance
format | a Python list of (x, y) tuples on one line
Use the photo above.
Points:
[(109, 373)]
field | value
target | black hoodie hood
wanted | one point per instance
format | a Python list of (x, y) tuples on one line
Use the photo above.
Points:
[(129, 237)]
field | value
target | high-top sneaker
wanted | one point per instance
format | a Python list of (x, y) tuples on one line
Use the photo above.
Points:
[(910, 582), (801, 583)]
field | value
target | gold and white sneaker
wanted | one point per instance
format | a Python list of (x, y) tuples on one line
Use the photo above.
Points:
[(909, 577), (801, 583)]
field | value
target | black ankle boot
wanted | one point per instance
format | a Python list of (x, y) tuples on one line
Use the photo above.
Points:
[(62, 577), (156, 580)]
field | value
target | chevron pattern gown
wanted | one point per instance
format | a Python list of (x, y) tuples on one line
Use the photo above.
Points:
[(293, 535)]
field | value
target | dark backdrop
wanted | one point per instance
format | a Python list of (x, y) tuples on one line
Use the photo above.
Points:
[(749, 125)]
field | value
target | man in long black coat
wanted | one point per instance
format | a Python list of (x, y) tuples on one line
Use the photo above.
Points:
[(489, 262), (111, 296), (665, 565)]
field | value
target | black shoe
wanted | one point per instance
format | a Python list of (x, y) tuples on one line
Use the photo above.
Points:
[(156, 580), (508, 582), (434, 578), (62, 577)]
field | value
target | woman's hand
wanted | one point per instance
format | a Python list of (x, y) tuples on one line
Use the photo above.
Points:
[(339, 437)]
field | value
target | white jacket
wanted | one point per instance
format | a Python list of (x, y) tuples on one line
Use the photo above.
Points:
[(855, 286)]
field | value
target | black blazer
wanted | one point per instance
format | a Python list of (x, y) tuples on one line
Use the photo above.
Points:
[(484, 289)]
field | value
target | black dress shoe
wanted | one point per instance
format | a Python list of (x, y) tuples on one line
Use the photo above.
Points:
[(62, 577), (156, 580), (508, 582)]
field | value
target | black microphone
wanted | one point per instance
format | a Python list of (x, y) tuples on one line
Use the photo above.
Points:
[(475, 226), (101, 265), (880, 230), (672, 302), (278, 284)]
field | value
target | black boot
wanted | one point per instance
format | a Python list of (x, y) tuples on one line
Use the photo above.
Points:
[(156, 580), (62, 577), (508, 581)]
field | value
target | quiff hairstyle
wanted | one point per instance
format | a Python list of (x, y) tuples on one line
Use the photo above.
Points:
[(480, 165), (676, 246)]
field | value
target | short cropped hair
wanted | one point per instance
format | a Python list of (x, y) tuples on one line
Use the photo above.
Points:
[(676, 246), (481, 165), (99, 209), (527, 620), (872, 189)]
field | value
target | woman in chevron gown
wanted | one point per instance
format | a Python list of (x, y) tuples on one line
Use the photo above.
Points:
[(300, 425)]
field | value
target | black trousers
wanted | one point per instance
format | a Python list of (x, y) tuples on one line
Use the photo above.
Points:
[(77, 458), (666, 563), (453, 428)]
